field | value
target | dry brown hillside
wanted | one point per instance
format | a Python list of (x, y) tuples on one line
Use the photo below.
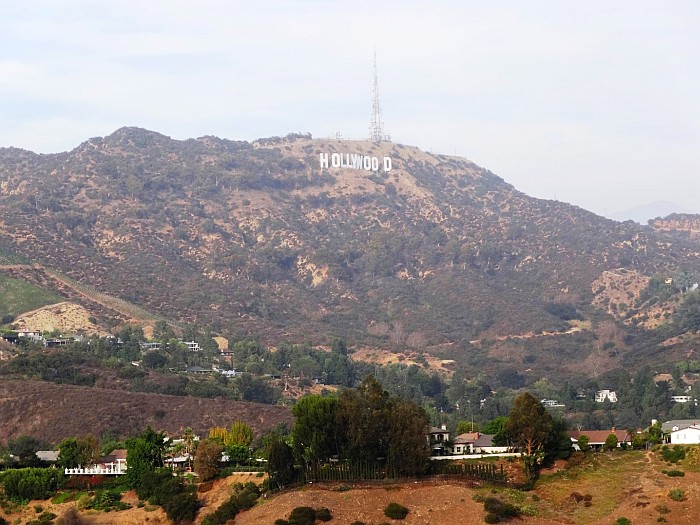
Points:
[(53, 412)]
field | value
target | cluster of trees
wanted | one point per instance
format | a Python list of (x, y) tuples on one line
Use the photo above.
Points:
[(361, 425)]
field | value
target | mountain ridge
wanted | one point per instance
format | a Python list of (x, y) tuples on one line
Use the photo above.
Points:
[(258, 238)]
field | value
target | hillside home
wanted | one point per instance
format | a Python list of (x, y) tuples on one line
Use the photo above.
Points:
[(596, 438), (605, 395), (476, 443), (191, 346), (111, 464), (551, 403), (678, 424), (686, 436), (682, 399), (47, 456), (439, 438), (57, 342)]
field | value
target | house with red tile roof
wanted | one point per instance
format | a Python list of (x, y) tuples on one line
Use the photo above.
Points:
[(596, 438)]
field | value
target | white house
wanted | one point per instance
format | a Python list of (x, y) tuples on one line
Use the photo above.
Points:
[(603, 395), (686, 436), (681, 399)]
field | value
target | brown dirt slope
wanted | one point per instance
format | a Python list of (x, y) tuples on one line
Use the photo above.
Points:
[(53, 412)]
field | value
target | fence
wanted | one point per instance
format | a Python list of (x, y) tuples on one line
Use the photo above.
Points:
[(382, 470)]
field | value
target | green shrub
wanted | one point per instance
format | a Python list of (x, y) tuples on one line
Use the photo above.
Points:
[(302, 516), (491, 518), (108, 500), (30, 483), (500, 509), (159, 486), (662, 509), (677, 494), (661, 519), (281, 522), (675, 473), (182, 507), (323, 514), (622, 521), (46, 517), (673, 455), (395, 511), (244, 497)]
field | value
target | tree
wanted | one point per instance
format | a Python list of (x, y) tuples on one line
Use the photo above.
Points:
[(464, 427), (25, 448), (364, 413), (315, 435), (207, 459), (82, 451), (611, 442), (144, 454), (497, 428), (529, 427), (583, 443), (154, 359), (409, 451), (687, 314), (188, 439), (280, 463), (240, 434)]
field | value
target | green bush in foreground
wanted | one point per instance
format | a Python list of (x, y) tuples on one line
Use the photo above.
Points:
[(30, 483), (323, 514), (244, 497), (395, 511), (677, 494), (302, 516), (623, 521), (182, 507), (675, 473), (497, 510)]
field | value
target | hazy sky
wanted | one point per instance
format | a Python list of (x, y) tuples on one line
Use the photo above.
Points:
[(594, 103)]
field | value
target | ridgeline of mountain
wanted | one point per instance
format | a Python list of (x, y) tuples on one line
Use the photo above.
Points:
[(258, 238)]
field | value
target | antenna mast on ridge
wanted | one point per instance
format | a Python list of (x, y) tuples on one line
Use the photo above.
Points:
[(376, 124)]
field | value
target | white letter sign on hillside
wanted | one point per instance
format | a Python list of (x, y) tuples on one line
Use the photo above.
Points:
[(354, 161)]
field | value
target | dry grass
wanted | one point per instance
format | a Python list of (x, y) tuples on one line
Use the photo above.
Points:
[(53, 412)]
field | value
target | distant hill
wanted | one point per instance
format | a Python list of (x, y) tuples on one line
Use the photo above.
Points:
[(643, 214), (53, 412), (262, 238)]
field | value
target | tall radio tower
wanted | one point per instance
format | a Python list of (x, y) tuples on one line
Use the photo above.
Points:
[(376, 123)]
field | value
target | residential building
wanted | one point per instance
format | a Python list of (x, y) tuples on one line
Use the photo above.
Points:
[(686, 436), (551, 403), (606, 395), (678, 424), (111, 464), (476, 443), (682, 399), (439, 438), (191, 346), (597, 438)]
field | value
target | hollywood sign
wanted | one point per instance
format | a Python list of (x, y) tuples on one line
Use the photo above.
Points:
[(354, 161)]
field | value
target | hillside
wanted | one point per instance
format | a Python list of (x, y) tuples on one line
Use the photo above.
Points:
[(642, 498), (53, 412), (260, 238)]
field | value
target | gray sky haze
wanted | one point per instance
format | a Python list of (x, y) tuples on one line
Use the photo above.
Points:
[(593, 103)]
